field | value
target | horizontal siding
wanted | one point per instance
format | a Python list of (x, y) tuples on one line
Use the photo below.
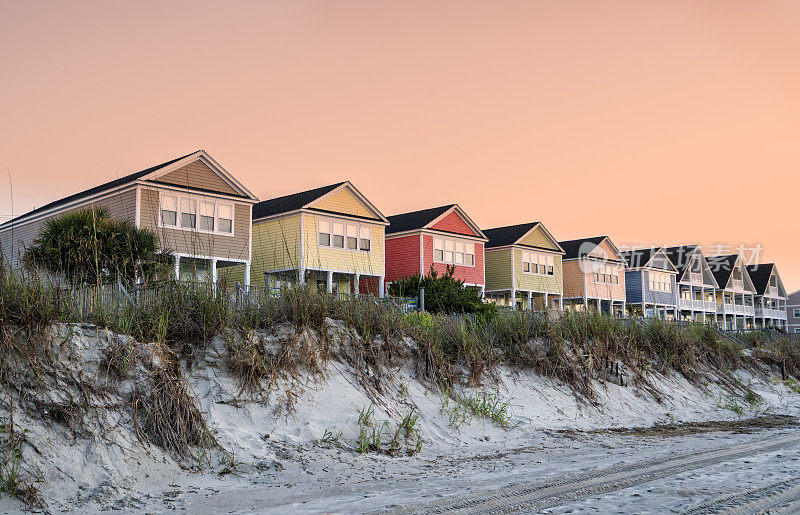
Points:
[(498, 269), (453, 223), (402, 257), (537, 283), (660, 297), (633, 286), (198, 175), (573, 279), (364, 263), (197, 243), (468, 274), (607, 291), (121, 206), (276, 246), (344, 201), (537, 238)]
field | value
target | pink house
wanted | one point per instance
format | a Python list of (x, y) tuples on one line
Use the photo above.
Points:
[(439, 236)]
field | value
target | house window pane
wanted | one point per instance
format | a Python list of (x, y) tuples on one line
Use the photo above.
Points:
[(324, 233), (438, 255), (338, 235), (188, 213), (526, 267), (448, 251), (470, 260), (169, 211), (225, 218), (352, 237), (206, 216), (365, 239)]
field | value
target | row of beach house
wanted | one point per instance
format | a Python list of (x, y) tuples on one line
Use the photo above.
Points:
[(335, 238)]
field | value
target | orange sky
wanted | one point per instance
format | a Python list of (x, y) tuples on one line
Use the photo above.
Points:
[(652, 122)]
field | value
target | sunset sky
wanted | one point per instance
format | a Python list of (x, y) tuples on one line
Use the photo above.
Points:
[(652, 122)]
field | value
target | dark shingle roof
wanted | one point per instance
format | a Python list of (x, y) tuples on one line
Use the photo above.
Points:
[(291, 202), (679, 256), (116, 183), (722, 267), (638, 257), (760, 275), (579, 248), (501, 236), (415, 219)]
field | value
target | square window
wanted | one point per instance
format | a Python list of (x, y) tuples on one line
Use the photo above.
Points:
[(438, 255), (365, 241), (526, 267), (324, 233)]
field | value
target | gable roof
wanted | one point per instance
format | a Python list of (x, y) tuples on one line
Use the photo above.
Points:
[(680, 256), (643, 258), (760, 275), (425, 218), (110, 185), (722, 267), (415, 219), (511, 234), (307, 199), (582, 247), (291, 202)]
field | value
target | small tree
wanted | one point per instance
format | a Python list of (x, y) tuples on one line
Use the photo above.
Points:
[(443, 294), (88, 245)]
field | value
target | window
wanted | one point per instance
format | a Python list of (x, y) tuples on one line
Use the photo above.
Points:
[(455, 252), (365, 239), (201, 215), (660, 281), (796, 313), (188, 213), (169, 211), (206, 216), (606, 274), (225, 216), (537, 263), (352, 237), (340, 235), (324, 238)]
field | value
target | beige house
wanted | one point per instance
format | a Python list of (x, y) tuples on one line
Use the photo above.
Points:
[(594, 275), (200, 212)]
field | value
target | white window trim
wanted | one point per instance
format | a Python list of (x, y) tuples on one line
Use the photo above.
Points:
[(197, 200), (655, 278), (796, 313), (531, 254), (596, 275), (345, 223), (454, 241)]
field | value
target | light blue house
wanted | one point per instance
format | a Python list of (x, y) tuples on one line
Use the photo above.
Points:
[(650, 283)]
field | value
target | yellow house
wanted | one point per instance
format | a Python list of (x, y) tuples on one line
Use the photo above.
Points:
[(331, 237), (523, 267)]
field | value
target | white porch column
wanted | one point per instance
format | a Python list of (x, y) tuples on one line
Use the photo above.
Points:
[(513, 298), (599, 305), (381, 286), (301, 275), (483, 291), (247, 274), (177, 268), (530, 300), (214, 273), (546, 305), (561, 302), (329, 285), (356, 280)]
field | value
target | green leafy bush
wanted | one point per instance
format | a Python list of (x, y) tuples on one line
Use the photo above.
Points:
[(444, 294)]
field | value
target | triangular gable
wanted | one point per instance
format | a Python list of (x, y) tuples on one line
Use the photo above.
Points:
[(540, 237), (748, 283), (200, 171), (606, 250), (347, 200), (781, 287), (708, 274), (661, 261), (455, 220)]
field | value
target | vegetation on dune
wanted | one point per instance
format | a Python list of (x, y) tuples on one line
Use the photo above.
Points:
[(89, 246), (444, 294)]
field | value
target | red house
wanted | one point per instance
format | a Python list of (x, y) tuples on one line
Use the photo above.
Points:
[(439, 236)]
